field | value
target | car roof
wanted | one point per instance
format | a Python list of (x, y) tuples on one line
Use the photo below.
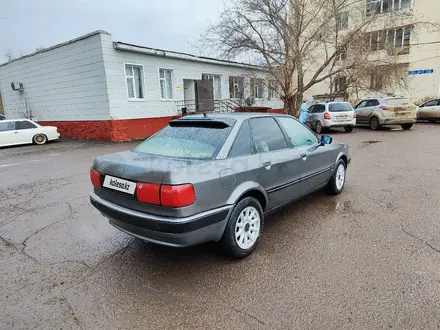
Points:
[(332, 102), (238, 116), (13, 120)]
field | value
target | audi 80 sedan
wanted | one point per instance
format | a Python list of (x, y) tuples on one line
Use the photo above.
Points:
[(214, 177)]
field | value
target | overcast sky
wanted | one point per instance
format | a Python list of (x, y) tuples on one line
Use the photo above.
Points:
[(167, 24)]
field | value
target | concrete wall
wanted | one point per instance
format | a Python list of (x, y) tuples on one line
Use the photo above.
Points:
[(66, 83), (423, 55), (153, 106)]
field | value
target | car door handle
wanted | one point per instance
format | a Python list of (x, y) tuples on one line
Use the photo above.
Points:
[(15, 132), (303, 156), (267, 165)]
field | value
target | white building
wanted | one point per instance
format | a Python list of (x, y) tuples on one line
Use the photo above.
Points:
[(92, 87)]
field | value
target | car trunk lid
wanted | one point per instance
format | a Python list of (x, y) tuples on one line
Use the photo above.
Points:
[(120, 172)]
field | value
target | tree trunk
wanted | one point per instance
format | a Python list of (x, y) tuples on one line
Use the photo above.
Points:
[(292, 104)]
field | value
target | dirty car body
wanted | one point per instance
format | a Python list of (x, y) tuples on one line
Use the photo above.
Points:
[(180, 187)]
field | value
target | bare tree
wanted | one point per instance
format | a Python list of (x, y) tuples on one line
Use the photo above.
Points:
[(9, 55), (303, 43)]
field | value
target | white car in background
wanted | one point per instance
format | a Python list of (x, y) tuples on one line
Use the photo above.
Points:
[(25, 131)]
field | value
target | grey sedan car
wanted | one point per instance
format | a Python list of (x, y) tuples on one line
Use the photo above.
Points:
[(214, 178)]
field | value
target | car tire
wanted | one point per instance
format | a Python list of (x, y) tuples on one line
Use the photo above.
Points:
[(318, 127), (39, 139), (244, 228), (348, 129), (406, 126), (432, 121), (374, 123), (337, 182)]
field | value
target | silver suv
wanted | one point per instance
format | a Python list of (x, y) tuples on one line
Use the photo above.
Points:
[(331, 114), (380, 111)]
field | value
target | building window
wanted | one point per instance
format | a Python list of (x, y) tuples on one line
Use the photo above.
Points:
[(340, 84), (257, 88), (135, 81), (166, 84), (217, 84), (396, 41), (236, 87), (273, 90), (343, 21), (374, 7)]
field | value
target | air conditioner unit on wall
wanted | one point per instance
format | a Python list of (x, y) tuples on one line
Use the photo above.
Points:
[(17, 86)]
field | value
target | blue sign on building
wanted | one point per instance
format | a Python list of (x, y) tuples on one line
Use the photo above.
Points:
[(415, 72)]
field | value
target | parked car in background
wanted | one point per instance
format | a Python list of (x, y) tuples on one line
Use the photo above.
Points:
[(2, 117), (25, 131), (381, 111), (429, 111), (214, 177), (331, 115)]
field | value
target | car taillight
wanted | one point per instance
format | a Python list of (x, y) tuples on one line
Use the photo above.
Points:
[(384, 107), (354, 115), (148, 193), (95, 177), (177, 196), (327, 116)]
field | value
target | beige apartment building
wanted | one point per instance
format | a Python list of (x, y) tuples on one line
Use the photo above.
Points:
[(415, 39)]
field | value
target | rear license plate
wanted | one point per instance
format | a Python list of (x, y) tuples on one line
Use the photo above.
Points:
[(119, 184)]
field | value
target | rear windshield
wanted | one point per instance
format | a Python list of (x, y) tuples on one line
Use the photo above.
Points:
[(193, 142), (402, 101), (339, 107)]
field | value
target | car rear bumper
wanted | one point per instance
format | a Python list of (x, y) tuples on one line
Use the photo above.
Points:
[(176, 232), (397, 121), (339, 123)]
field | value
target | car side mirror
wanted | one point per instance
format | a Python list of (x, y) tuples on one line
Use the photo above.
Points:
[(325, 139)]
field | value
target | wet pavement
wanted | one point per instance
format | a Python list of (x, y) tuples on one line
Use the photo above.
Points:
[(366, 259)]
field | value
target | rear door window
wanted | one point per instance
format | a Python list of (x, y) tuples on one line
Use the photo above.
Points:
[(9, 126), (372, 103), (189, 140), (242, 143), (340, 107), (320, 108), (24, 124), (267, 135)]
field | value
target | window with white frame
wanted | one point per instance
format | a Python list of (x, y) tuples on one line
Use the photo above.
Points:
[(236, 87), (135, 82), (374, 7), (273, 90), (396, 41), (343, 20), (257, 88), (166, 84), (217, 84)]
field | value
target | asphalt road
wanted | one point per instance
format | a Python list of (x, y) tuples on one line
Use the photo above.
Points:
[(366, 259)]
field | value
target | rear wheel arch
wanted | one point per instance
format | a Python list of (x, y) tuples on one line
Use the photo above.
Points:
[(257, 194)]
